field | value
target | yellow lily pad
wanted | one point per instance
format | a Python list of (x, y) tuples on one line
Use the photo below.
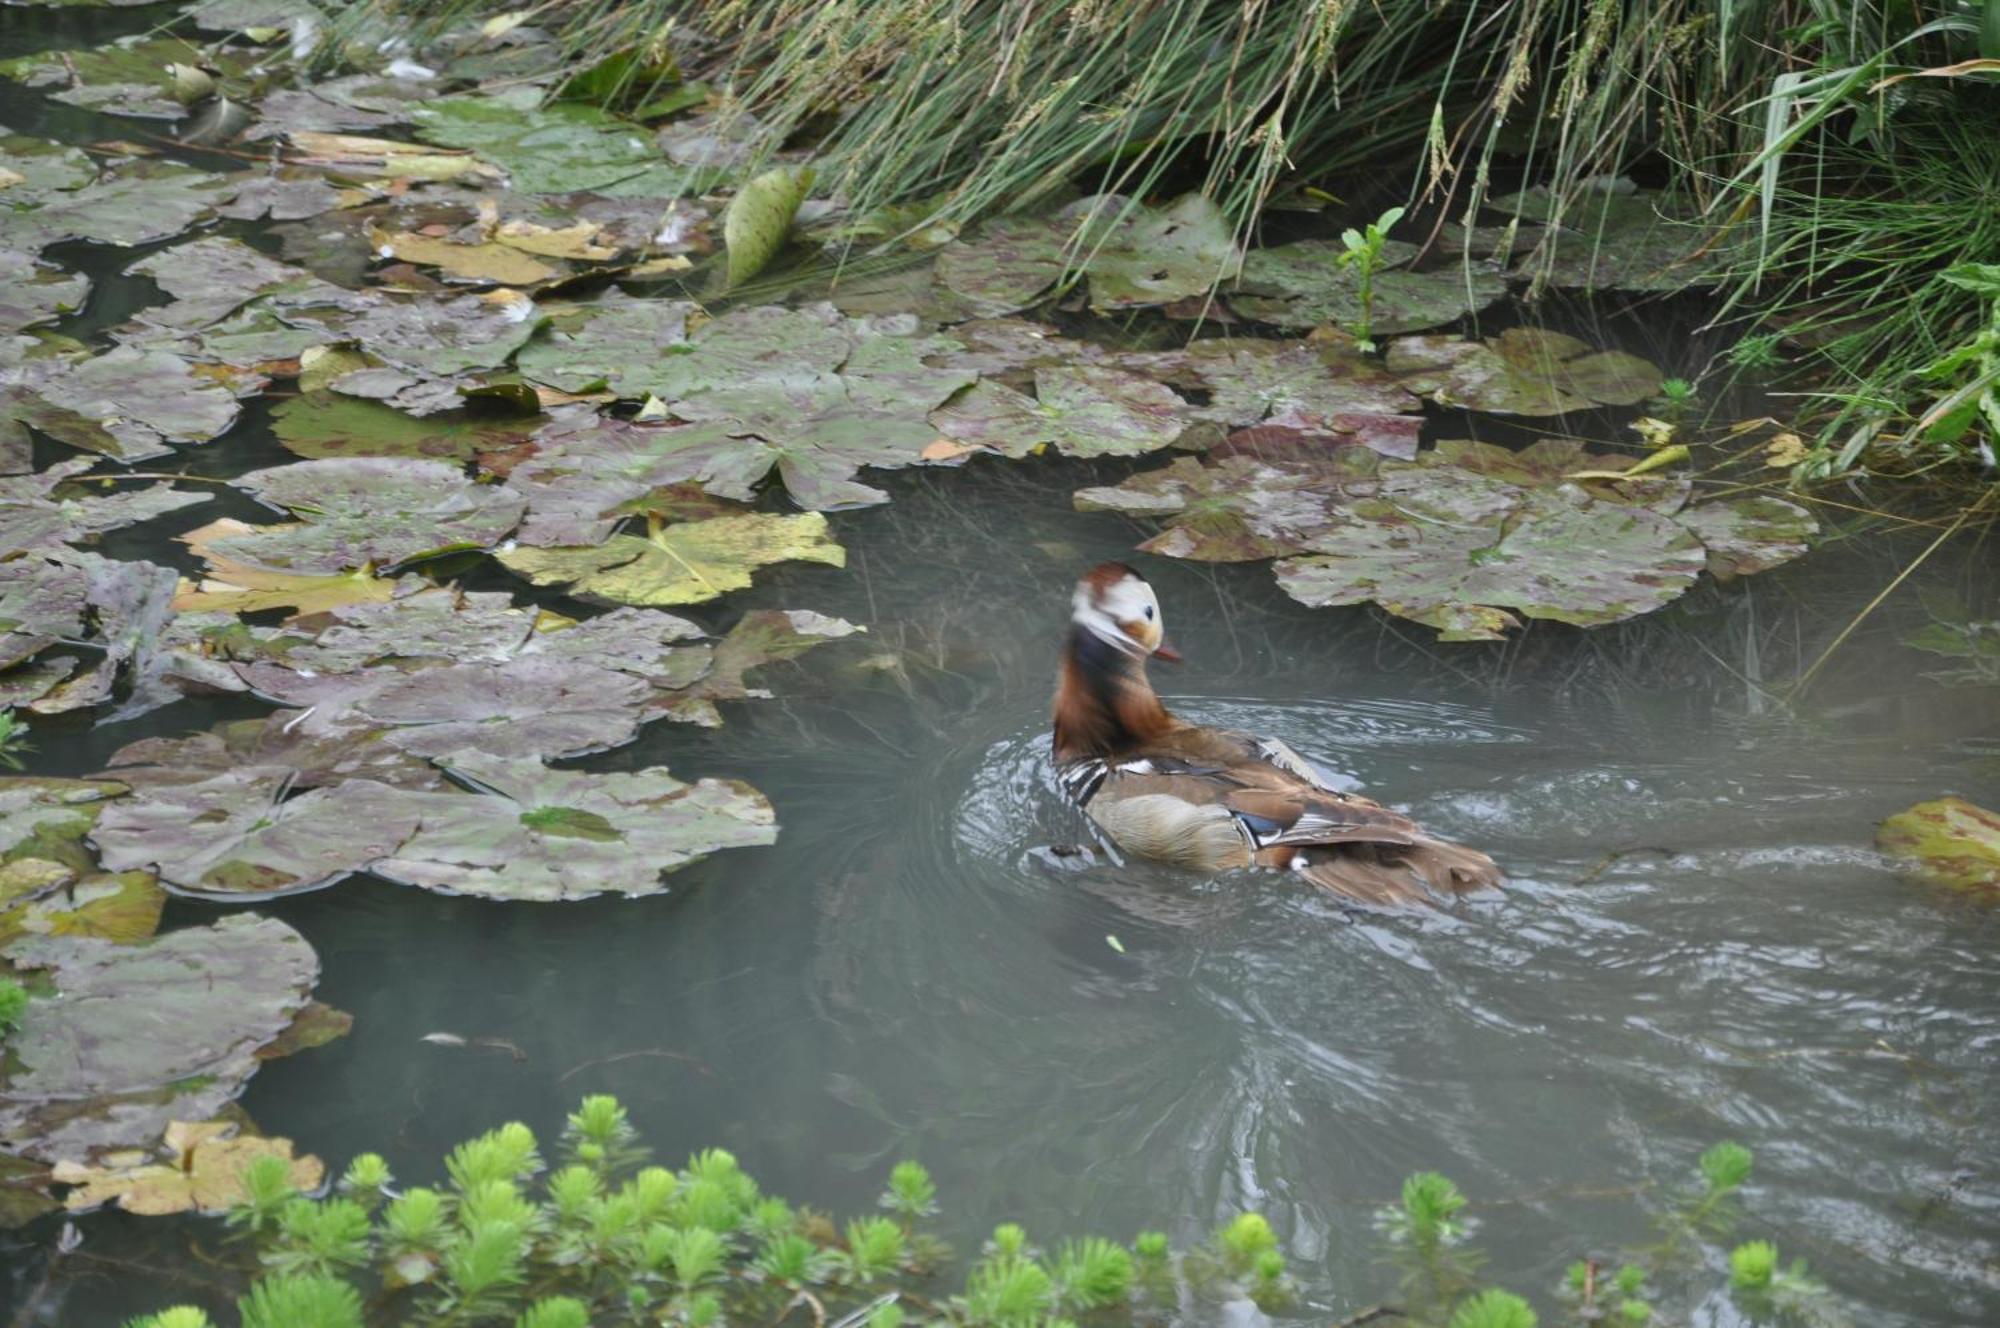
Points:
[(500, 264), (684, 563), (204, 1172), (115, 906), (1947, 841), (234, 586)]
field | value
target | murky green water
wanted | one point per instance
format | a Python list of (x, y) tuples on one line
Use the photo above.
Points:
[(1698, 943)]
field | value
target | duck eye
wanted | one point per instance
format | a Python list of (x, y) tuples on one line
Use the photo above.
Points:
[(1149, 613)]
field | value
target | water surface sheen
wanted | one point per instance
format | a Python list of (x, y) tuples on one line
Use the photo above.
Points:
[(907, 972)]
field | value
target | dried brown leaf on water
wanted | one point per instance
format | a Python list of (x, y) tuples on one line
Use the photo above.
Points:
[(201, 1172)]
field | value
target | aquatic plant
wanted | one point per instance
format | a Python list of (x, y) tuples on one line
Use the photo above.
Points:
[(14, 742), (1361, 253), (13, 1004)]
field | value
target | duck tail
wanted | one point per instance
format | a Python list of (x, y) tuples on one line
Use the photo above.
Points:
[(1424, 871)]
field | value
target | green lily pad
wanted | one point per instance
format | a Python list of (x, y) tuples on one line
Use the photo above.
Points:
[(125, 77), (685, 563), (1948, 842), (1303, 384), (526, 832), (136, 1036), (756, 346), (1620, 238), (1132, 254), (1082, 410), (1296, 286), (551, 149), (586, 468), (45, 819), (364, 511), (614, 342), (212, 277), (127, 404), (1551, 461), (53, 508), (440, 338), (1751, 534), (1236, 509), (1435, 550), (1523, 371), (237, 834), (32, 292), (325, 424)]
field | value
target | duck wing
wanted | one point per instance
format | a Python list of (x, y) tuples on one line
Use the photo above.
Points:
[(1292, 817)]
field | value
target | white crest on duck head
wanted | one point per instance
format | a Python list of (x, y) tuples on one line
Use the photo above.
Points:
[(1116, 605)]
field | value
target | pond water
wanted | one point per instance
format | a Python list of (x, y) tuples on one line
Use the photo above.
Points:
[(1697, 942)]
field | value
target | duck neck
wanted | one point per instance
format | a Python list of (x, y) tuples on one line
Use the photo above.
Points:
[(1104, 703)]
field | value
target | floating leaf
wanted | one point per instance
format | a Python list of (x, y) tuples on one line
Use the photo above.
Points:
[(1304, 384), (760, 217), (1432, 548), (763, 636), (614, 343), (131, 76), (325, 424), (1303, 285), (32, 292), (1523, 371), (123, 907), (536, 705), (137, 1036), (348, 154), (203, 1173), (367, 511), (1007, 268), (128, 202), (1083, 410), (236, 833), (233, 585), (52, 507), (1619, 238), (46, 819), (127, 404), (312, 758), (585, 468), (1155, 256), (487, 263), (1752, 534), (527, 832), (684, 563), (437, 339), (119, 607), (556, 148), (1947, 841), (212, 277), (1235, 510)]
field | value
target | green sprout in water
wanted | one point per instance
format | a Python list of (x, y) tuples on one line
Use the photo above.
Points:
[(13, 1005), (1756, 353), (14, 742), (1494, 1309), (1362, 252)]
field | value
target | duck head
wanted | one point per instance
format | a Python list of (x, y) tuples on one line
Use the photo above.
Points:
[(1117, 606), (1104, 703)]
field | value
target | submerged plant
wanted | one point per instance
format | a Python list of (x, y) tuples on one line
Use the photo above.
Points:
[(14, 742), (1361, 253), (13, 1005)]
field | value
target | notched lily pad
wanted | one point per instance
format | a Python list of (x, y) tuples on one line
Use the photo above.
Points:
[(1082, 410), (527, 832), (119, 608), (1236, 509), (1523, 371)]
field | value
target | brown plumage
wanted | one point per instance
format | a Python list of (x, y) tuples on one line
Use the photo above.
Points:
[(1212, 798)]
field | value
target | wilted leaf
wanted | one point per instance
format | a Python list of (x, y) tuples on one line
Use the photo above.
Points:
[(1523, 371), (204, 1173), (233, 585), (760, 217), (680, 564), (137, 1036), (123, 907), (1083, 410), (487, 263), (347, 154), (531, 833), (1947, 841)]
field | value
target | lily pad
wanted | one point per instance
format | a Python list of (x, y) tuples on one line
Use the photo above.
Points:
[(54, 592), (237, 834), (527, 832), (233, 585), (1433, 550), (326, 424), (1303, 384), (535, 705), (613, 343), (127, 404), (761, 637), (368, 511), (1619, 238), (1082, 410), (1753, 534), (53, 508), (1523, 371), (32, 292), (125, 77), (1301, 285), (128, 202), (1236, 509), (212, 277), (314, 759), (685, 563), (202, 1172), (486, 262), (585, 468), (123, 907), (1947, 841), (556, 148), (46, 819), (440, 338), (137, 1036)]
